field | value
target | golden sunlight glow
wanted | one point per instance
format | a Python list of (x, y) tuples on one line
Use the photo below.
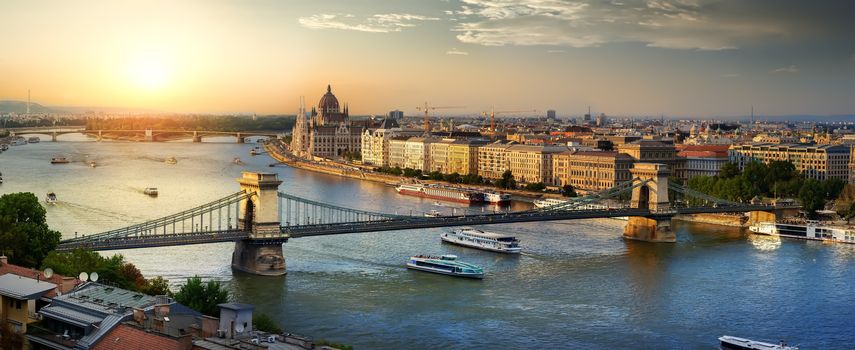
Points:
[(149, 72)]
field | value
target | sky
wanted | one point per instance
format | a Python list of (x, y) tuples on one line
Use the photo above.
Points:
[(692, 58)]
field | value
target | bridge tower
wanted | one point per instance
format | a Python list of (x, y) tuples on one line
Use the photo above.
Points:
[(149, 135), (196, 137), (240, 138), (653, 195), (53, 136), (261, 253)]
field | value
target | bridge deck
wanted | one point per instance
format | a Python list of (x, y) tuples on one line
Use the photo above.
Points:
[(405, 223)]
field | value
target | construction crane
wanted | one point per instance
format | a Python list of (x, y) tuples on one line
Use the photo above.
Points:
[(493, 117), (427, 108)]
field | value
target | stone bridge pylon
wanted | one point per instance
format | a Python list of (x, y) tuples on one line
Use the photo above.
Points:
[(261, 253), (653, 195)]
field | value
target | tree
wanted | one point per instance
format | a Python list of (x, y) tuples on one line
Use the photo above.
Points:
[(24, 234), (535, 187), (112, 269), (507, 180), (568, 191), (729, 170), (812, 197), (264, 323), (453, 178), (202, 297), (156, 286)]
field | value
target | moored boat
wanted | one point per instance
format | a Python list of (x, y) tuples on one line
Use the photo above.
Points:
[(548, 202), (446, 193), (811, 230), (445, 265), (494, 242), (151, 191), (497, 197), (50, 198), (727, 342), (255, 151), (59, 160), (433, 213)]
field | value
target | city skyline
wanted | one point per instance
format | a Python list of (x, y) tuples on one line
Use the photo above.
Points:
[(685, 58)]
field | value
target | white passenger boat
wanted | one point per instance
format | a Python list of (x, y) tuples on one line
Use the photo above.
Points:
[(255, 151), (494, 242), (548, 202), (735, 343), (50, 198), (34, 139), (151, 191), (497, 197), (445, 265), (811, 230), (433, 214)]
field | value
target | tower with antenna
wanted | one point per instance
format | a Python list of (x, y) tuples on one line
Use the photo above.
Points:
[(752, 118)]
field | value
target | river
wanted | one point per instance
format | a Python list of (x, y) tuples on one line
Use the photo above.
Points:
[(577, 284)]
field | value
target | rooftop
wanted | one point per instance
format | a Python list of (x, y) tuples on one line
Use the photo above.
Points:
[(22, 287)]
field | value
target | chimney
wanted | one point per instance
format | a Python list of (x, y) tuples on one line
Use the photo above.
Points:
[(3, 260)]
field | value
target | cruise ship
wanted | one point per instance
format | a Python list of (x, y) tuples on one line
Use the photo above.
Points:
[(445, 265), (735, 343), (494, 242), (445, 193), (811, 230)]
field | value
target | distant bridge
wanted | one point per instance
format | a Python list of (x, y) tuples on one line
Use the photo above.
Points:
[(259, 218), (150, 135)]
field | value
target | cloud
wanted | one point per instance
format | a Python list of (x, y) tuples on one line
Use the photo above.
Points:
[(379, 23), (455, 51), (730, 75), (674, 24), (786, 70), (555, 51)]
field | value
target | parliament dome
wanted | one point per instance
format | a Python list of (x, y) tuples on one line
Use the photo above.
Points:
[(328, 103)]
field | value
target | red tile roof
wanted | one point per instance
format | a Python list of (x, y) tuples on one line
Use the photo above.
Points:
[(125, 337)]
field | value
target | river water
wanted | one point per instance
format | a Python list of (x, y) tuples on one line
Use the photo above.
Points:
[(577, 284)]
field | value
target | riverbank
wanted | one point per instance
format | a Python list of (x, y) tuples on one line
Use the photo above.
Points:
[(726, 219), (280, 153)]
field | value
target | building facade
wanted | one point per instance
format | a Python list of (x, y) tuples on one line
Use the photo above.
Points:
[(417, 153), (493, 160), (818, 162), (326, 131), (591, 171), (439, 156), (463, 156), (702, 160)]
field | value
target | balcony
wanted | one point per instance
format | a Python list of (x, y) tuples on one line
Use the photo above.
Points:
[(46, 336)]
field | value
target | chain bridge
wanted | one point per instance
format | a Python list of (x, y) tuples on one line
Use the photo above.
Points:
[(260, 218)]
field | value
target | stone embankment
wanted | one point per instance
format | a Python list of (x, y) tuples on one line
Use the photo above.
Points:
[(732, 220), (280, 153)]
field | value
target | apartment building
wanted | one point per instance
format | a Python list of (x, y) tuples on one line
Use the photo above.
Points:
[(591, 171), (819, 162)]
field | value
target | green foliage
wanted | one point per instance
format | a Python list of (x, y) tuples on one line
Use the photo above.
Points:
[(568, 191), (156, 286), (113, 269), (341, 346), (24, 234), (8, 338), (453, 178), (263, 322), (212, 123), (202, 297), (391, 171), (507, 181), (535, 187), (778, 179)]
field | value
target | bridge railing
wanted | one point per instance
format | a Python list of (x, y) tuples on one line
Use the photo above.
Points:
[(298, 211)]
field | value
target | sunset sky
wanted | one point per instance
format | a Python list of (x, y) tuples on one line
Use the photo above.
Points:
[(692, 58)]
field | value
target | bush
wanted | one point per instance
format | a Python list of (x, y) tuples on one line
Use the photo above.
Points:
[(202, 297), (264, 323), (535, 187)]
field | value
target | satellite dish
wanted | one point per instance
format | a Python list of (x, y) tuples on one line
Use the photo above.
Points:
[(83, 276), (93, 277), (239, 328), (48, 272)]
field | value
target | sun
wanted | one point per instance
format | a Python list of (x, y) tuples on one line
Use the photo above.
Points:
[(149, 72)]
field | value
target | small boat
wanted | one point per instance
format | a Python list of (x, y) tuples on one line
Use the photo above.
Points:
[(4, 147), (171, 161), (735, 343), (255, 151), (19, 141), (433, 214), (92, 164), (445, 265), (151, 191), (34, 139), (50, 198), (237, 161), (472, 238), (59, 160)]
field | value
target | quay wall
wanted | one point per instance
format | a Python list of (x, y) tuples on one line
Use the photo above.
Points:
[(716, 219)]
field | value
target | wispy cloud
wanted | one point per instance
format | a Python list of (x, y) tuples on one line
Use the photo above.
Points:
[(379, 23), (455, 51), (675, 24), (786, 70)]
